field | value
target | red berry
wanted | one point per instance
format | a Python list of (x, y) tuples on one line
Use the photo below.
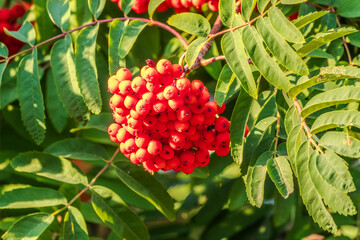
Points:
[(176, 102), (17, 11), (130, 145), (202, 157), (170, 92), (113, 84), (164, 66), (167, 152), (142, 155), (197, 86), (183, 113), (149, 121), (142, 108), (125, 87), (197, 119), (183, 84), (222, 124), (160, 163), (181, 126), (130, 102), (151, 75), (221, 109), (123, 74), (138, 84), (246, 130), (154, 147), (187, 158), (122, 135), (177, 70), (113, 129), (223, 138), (150, 63), (142, 140)]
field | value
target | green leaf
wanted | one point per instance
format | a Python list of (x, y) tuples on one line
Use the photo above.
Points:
[(349, 9), (290, 2), (116, 215), (131, 32), (324, 75), (291, 119), (29, 227), (55, 109), (59, 12), (116, 32), (262, 4), (341, 143), (283, 26), (331, 97), (280, 173), (100, 122), (4, 52), (74, 225), (153, 5), (31, 197), (43, 24), (191, 23), (2, 69), (193, 50), (227, 12), (239, 118), (25, 34), (310, 195), (334, 170), (45, 165), (323, 38), (262, 61), (255, 179), (237, 60), (295, 138), (96, 7), (83, 13), (280, 48), (237, 195), (334, 119), (30, 97), (126, 5), (86, 72), (336, 199), (63, 67), (77, 148), (224, 82), (304, 20), (247, 7), (146, 186), (253, 140)]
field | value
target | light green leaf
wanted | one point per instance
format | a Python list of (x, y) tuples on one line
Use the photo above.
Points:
[(280, 48), (280, 173), (25, 34), (310, 195), (29, 227), (247, 7), (283, 26), (227, 12), (126, 5), (4, 52), (341, 143), (153, 5), (30, 97), (331, 97), (55, 109), (238, 61), (336, 199), (262, 61), (131, 32), (116, 215), (77, 148), (262, 4), (255, 179), (86, 72), (45, 165), (59, 13), (290, 2), (146, 186), (334, 119), (191, 23), (323, 38), (96, 7), (63, 67), (324, 75), (224, 82), (291, 119), (295, 138), (31, 197), (193, 50), (239, 118), (304, 20), (116, 32), (75, 225)]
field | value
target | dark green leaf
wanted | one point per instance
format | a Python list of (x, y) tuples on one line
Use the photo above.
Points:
[(31, 197), (238, 61), (146, 186), (74, 225), (59, 13), (83, 13), (45, 165), (131, 32), (247, 7), (126, 5), (262, 61), (191, 23), (334, 119), (25, 34), (280, 173), (304, 20), (2, 69), (341, 143), (96, 7), (86, 72), (4, 52), (237, 195), (29, 227), (284, 27), (116, 215), (280, 48), (193, 50), (63, 68), (77, 148), (227, 12), (116, 32), (153, 4), (31, 98), (349, 9), (224, 82)]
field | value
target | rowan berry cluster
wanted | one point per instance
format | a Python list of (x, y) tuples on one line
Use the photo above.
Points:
[(141, 6), (8, 20), (163, 121)]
